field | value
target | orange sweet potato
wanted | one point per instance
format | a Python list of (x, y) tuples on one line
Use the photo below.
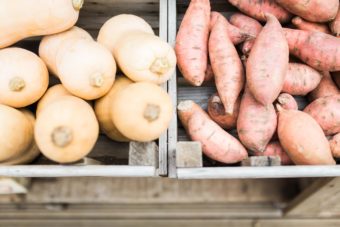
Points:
[(256, 124), (217, 144), (275, 149), (257, 9), (314, 11), (325, 88), (303, 139), (192, 42), (335, 145), (335, 24), (317, 49), (268, 62), (217, 112), (300, 79), (248, 25), (326, 111), (226, 65), (310, 26), (287, 101)]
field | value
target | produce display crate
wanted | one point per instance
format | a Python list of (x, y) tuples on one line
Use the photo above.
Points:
[(108, 158), (186, 167)]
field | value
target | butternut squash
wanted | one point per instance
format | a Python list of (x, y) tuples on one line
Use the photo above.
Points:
[(16, 134), (145, 57), (117, 26), (103, 108), (50, 44), (20, 19), (66, 130), (23, 77), (142, 111)]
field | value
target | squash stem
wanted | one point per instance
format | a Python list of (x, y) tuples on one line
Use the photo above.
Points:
[(62, 136), (151, 112), (97, 80), (160, 66), (17, 84), (77, 4)]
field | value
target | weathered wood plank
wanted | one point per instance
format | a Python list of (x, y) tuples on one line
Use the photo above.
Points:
[(262, 161), (189, 155), (143, 154)]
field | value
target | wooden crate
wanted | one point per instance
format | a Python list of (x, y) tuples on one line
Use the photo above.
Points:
[(179, 142), (108, 158)]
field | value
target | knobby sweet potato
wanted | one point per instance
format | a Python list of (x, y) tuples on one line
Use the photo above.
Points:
[(300, 79), (216, 143), (314, 11), (326, 111), (287, 101), (325, 88), (268, 62), (275, 149), (335, 24), (226, 65), (256, 124), (310, 26), (257, 9), (317, 49), (335, 145), (192, 42), (303, 139)]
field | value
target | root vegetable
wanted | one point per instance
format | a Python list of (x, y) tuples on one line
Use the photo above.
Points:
[(310, 26), (226, 65), (256, 124), (23, 77), (268, 62), (287, 101), (335, 24), (335, 145), (325, 88), (217, 144), (192, 42), (275, 149)]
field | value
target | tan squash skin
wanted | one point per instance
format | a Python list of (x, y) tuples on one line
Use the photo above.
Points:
[(66, 130), (16, 134), (20, 19), (145, 57), (117, 26), (142, 111), (50, 44), (102, 108), (52, 94), (23, 77)]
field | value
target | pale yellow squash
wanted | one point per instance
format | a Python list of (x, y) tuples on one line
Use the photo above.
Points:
[(66, 130), (142, 111), (103, 107), (20, 19), (23, 77)]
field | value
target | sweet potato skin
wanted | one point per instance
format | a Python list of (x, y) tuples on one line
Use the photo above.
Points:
[(314, 11), (335, 145), (326, 111), (266, 69), (192, 42), (275, 149), (300, 79), (325, 88), (226, 65), (335, 24), (217, 112), (256, 124), (287, 101), (216, 143), (310, 26), (303, 139), (318, 50), (257, 9)]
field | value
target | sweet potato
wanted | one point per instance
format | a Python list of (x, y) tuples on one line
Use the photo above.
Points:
[(336, 78), (335, 145), (256, 123), (192, 42), (257, 9), (217, 112), (217, 144), (326, 111), (325, 88), (314, 11), (287, 101), (303, 139), (248, 25), (335, 24), (268, 62), (317, 49), (300, 79), (310, 26), (275, 149), (226, 65)]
